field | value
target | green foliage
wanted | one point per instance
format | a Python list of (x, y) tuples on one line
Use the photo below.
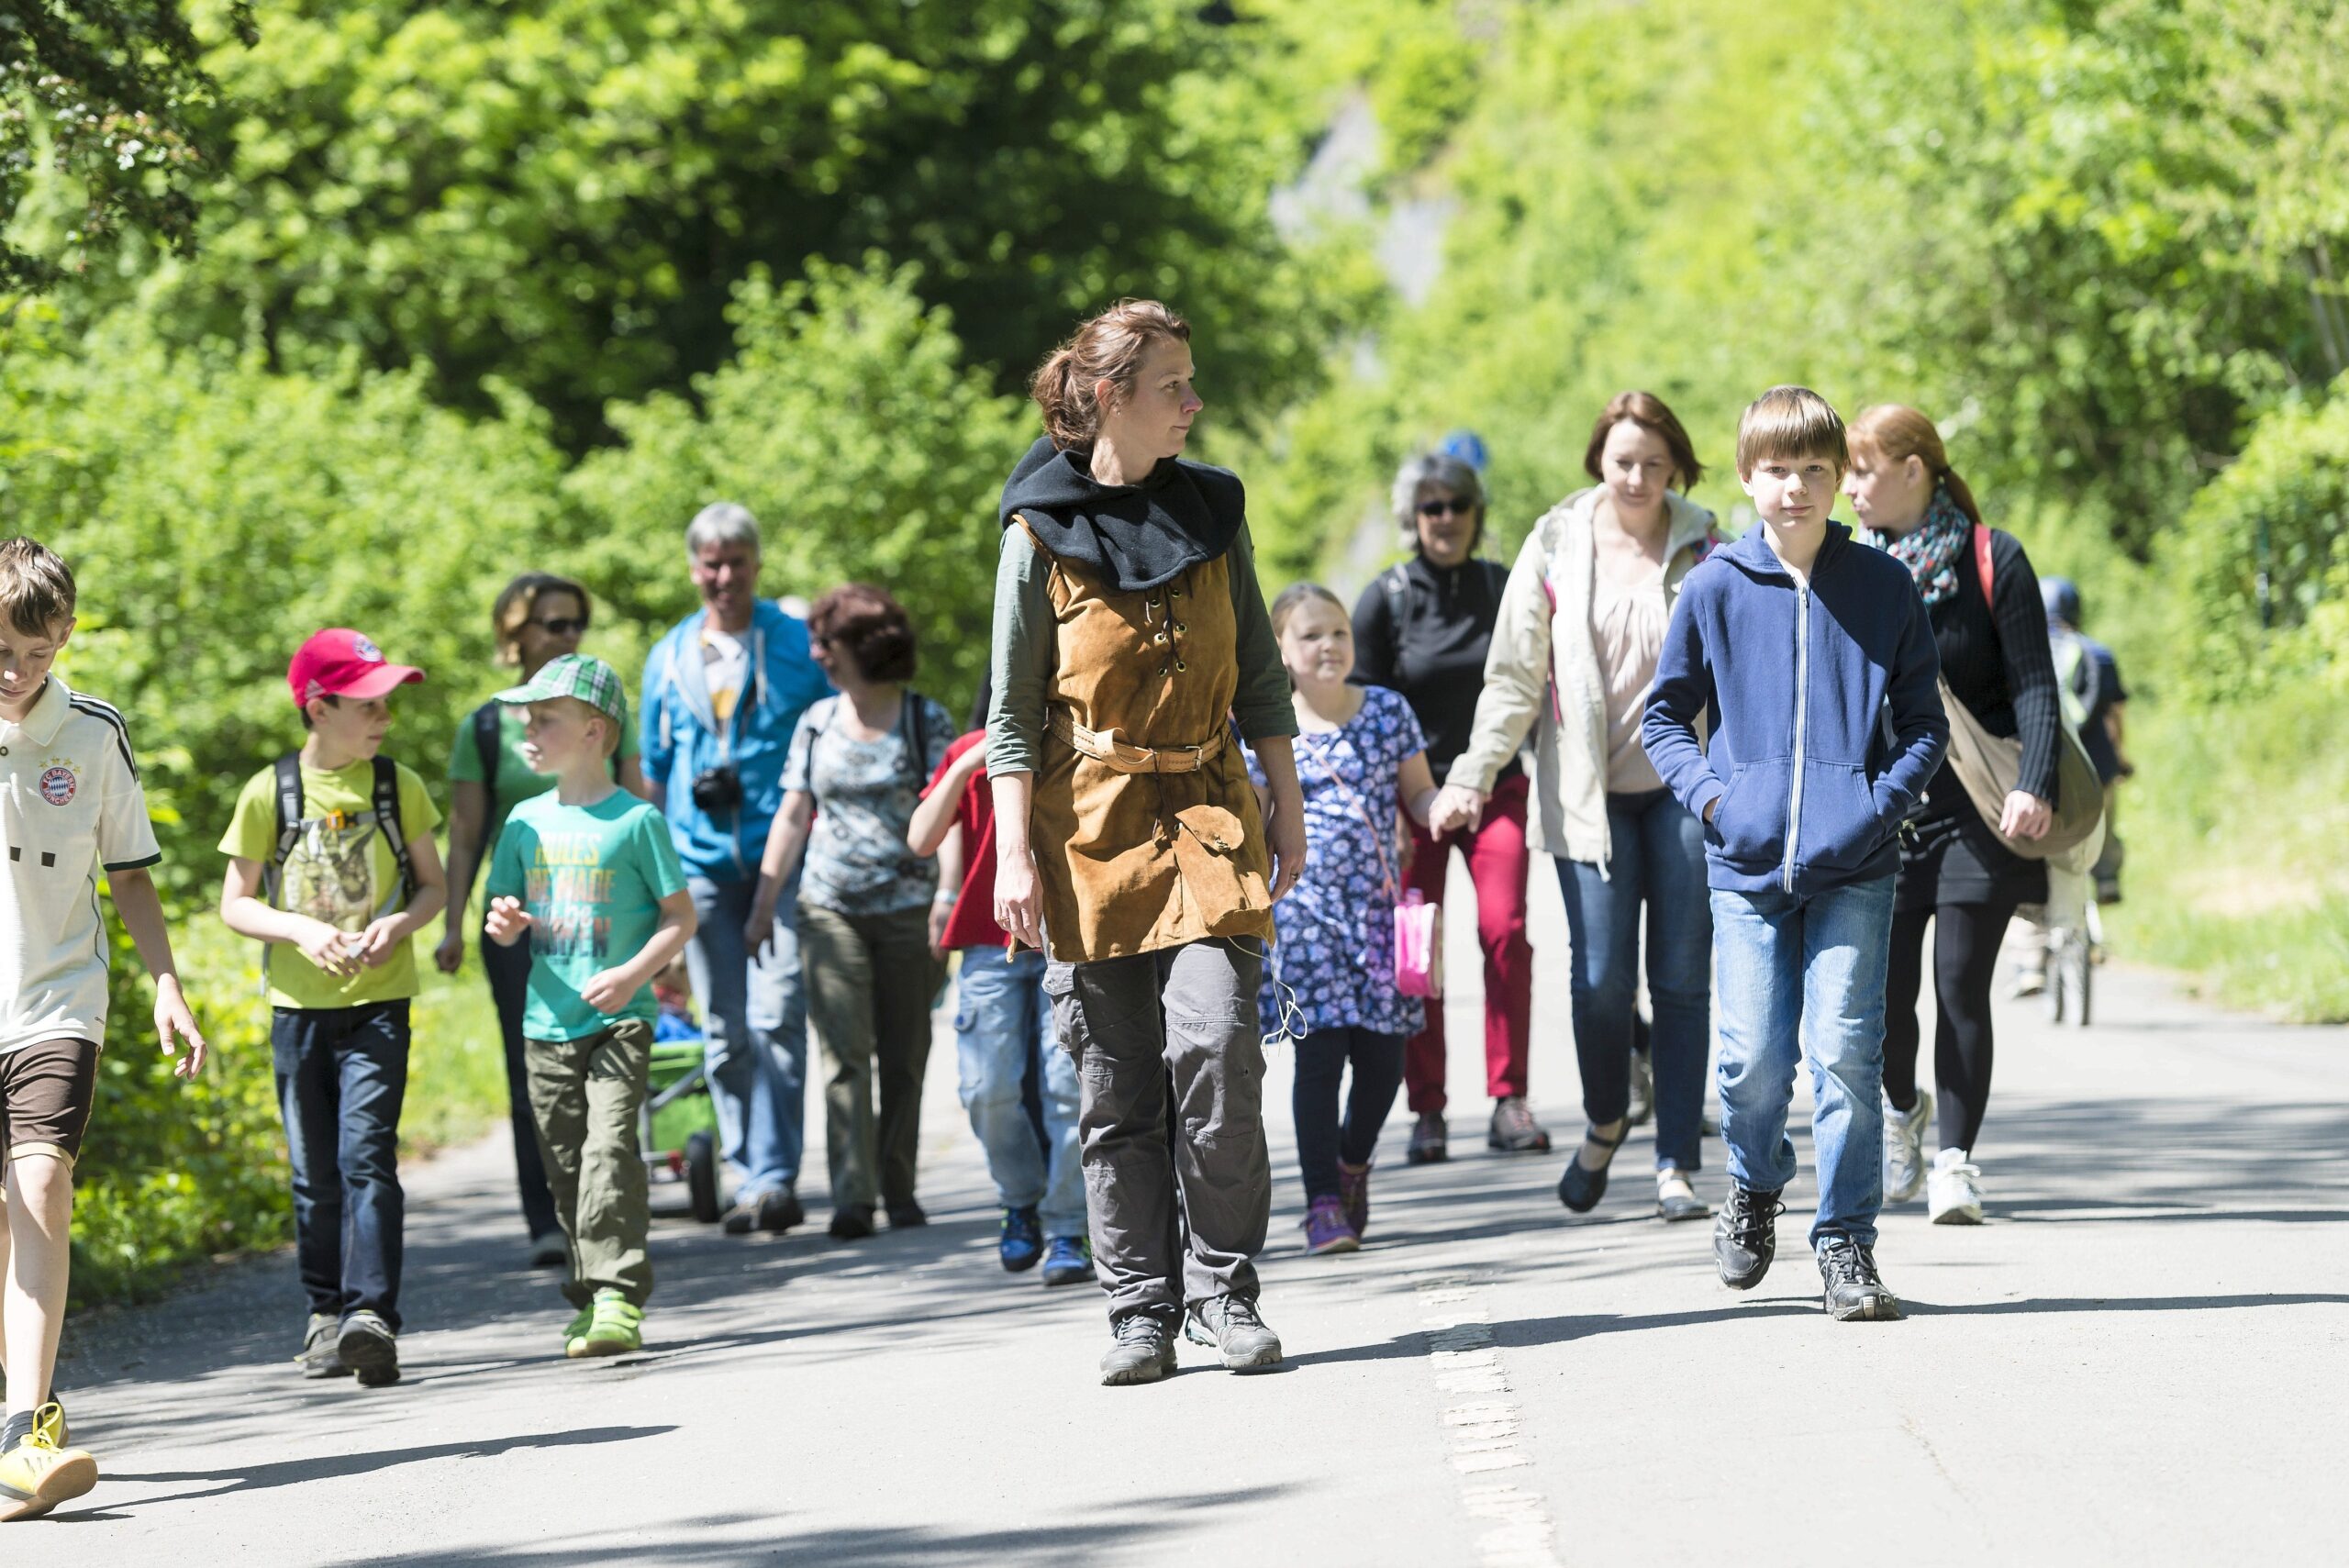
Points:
[(99, 100)]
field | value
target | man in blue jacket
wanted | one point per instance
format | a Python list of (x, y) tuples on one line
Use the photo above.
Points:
[(1816, 654), (722, 693)]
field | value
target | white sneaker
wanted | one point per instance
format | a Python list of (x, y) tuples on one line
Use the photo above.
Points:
[(1953, 1191), (1904, 1148)]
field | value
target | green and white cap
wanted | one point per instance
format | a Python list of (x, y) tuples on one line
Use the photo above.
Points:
[(581, 675)]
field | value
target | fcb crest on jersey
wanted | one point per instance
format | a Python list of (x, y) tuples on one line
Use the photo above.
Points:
[(58, 783)]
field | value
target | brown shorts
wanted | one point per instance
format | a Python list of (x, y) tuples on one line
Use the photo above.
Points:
[(46, 1092)]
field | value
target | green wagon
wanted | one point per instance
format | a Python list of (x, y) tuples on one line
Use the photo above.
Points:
[(678, 1127)]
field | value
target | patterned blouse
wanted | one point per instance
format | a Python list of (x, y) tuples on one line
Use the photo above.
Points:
[(1336, 951)]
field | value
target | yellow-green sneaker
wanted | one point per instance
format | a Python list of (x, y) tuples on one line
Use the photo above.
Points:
[(49, 1420), (576, 1331), (615, 1327), (37, 1473)]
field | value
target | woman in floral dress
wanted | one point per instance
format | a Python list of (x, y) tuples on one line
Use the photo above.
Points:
[(1359, 754)]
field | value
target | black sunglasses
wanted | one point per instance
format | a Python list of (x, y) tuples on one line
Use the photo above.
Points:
[(561, 625), (1456, 508)]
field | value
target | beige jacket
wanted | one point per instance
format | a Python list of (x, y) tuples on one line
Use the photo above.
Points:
[(1542, 676)]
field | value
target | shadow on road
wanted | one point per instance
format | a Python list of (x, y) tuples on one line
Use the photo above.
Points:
[(293, 1471)]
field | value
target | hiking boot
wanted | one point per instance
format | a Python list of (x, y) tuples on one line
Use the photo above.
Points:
[(1068, 1260), (1745, 1236), (1852, 1288), (549, 1250), (36, 1473), (1353, 1194), (1230, 1323), (615, 1327), (369, 1349), (1643, 1088), (1022, 1241), (780, 1210), (1953, 1189), (1428, 1146), (904, 1214), (1142, 1351), (1514, 1131), (1904, 1148), (851, 1222), (318, 1357), (1326, 1230)]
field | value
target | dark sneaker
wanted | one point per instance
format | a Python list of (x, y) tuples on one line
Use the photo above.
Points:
[(1142, 1351), (1068, 1260), (1231, 1325), (1514, 1131), (1853, 1288), (1326, 1230), (549, 1250), (1428, 1146), (1022, 1244), (780, 1210), (851, 1222), (906, 1215), (367, 1348), (1353, 1194), (1745, 1236), (319, 1358)]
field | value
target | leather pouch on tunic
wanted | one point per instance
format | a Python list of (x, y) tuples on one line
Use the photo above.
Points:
[(1207, 851)]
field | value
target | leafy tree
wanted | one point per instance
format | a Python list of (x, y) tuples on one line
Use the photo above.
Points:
[(99, 103)]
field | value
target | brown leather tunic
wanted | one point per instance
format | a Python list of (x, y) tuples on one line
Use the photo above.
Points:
[(1132, 863)]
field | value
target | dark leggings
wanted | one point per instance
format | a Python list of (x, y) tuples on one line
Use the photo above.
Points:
[(509, 985), (1966, 960), (1321, 1139)]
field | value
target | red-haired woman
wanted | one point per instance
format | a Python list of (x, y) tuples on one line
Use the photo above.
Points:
[(1130, 633), (1574, 654), (1953, 871), (864, 758)]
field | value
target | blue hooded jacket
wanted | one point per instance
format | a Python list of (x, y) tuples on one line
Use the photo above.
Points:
[(681, 737), (1831, 719)]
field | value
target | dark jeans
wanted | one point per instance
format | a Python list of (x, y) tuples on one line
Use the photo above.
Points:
[(1321, 1139), (509, 981), (1657, 861), (342, 1074)]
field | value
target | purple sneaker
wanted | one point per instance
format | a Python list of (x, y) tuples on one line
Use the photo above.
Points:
[(1326, 1230), (1353, 1194)]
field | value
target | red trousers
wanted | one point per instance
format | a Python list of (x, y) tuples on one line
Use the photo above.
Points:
[(1496, 863)]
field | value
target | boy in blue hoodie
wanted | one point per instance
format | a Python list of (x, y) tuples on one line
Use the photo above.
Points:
[(1816, 653)]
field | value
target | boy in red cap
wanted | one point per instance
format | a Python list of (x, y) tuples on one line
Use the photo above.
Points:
[(331, 855)]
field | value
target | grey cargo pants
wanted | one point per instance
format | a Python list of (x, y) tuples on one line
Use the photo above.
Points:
[(1185, 1016)]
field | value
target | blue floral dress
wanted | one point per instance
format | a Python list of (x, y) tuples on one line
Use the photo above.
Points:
[(1336, 951)]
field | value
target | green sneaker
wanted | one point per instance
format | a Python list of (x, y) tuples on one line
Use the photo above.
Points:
[(613, 1328), (577, 1329)]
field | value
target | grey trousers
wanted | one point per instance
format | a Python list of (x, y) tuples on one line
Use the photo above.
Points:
[(1183, 1018)]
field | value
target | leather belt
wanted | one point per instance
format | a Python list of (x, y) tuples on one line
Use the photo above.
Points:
[(1114, 753)]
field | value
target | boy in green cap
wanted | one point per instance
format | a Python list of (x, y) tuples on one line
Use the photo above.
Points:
[(589, 873)]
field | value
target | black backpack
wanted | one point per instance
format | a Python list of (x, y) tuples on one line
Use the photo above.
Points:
[(383, 810)]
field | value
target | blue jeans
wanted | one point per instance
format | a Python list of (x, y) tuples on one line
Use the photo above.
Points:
[(1808, 971), (1657, 859), (754, 1028), (1001, 1016), (341, 1076)]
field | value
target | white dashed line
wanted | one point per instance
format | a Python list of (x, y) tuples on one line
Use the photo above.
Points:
[(1483, 1426)]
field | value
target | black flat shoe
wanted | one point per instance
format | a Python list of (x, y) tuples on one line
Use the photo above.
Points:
[(1580, 1188), (851, 1222), (1673, 1207)]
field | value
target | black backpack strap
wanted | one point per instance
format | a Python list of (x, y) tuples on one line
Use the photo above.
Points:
[(1397, 587), (286, 789), (386, 805), (913, 722), (489, 741)]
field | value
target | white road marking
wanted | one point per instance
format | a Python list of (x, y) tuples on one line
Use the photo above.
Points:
[(1483, 1430)]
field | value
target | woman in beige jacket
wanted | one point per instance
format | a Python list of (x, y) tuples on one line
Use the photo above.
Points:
[(1574, 652)]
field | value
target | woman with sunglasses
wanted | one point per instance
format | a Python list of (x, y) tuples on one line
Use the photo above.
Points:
[(538, 617), (1574, 654), (1423, 628)]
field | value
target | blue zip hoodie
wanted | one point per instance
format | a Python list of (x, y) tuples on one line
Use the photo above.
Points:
[(1831, 720), (681, 737)]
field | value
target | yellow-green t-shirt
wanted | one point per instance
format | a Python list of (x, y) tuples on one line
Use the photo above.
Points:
[(340, 874)]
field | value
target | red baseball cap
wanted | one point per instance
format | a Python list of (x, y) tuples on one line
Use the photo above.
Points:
[(339, 662)]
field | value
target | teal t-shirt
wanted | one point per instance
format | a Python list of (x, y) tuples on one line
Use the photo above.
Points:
[(592, 878)]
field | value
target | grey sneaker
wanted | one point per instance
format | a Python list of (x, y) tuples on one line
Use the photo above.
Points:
[(1852, 1288), (1428, 1145), (1231, 1325), (319, 1358), (1514, 1131), (1904, 1148), (369, 1349), (1142, 1351)]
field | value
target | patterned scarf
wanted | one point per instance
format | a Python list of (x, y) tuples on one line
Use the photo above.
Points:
[(1932, 549)]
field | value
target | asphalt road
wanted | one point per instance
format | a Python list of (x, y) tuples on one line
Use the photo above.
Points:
[(2140, 1359)]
